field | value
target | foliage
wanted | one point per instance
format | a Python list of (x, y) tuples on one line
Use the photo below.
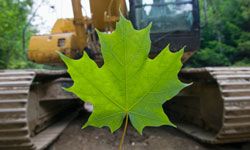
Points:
[(129, 84), (13, 18), (226, 38)]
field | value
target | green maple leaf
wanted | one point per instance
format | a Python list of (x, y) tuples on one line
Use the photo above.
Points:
[(129, 83)]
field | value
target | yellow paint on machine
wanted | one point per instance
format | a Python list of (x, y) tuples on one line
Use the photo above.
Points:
[(43, 48), (71, 36)]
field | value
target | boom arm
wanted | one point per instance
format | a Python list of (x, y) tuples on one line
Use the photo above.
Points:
[(69, 36), (105, 13), (79, 23)]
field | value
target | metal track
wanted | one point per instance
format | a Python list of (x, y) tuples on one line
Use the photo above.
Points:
[(215, 109), (14, 91), (234, 84), (222, 96), (15, 133)]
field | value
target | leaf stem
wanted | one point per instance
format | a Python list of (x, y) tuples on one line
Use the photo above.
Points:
[(124, 132)]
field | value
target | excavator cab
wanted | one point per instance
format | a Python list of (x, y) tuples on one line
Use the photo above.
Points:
[(173, 21)]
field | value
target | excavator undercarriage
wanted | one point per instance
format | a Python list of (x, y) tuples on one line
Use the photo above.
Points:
[(32, 108), (215, 108)]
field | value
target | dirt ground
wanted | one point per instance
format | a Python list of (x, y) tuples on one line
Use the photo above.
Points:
[(162, 138)]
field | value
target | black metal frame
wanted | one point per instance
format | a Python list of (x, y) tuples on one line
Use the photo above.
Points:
[(177, 39), (163, 4)]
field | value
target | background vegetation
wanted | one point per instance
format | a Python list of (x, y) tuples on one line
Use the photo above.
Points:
[(225, 40), (13, 20)]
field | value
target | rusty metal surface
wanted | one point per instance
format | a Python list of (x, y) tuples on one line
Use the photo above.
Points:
[(223, 118), (229, 107), (234, 84), (18, 122), (14, 90)]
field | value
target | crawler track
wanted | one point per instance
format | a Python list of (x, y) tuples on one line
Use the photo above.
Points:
[(216, 108), (15, 121)]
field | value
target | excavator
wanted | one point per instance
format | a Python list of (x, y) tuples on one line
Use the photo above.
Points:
[(33, 106)]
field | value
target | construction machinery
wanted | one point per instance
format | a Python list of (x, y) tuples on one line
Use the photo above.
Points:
[(214, 109)]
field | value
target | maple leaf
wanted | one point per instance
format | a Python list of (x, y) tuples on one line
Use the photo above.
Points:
[(129, 83)]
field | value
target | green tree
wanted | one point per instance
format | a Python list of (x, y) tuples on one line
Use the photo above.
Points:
[(225, 40), (13, 18)]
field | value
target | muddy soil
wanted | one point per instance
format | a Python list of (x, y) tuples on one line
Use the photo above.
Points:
[(162, 138)]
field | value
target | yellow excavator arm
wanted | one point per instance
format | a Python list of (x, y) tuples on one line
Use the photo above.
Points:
[(71, 36), (79, 23)]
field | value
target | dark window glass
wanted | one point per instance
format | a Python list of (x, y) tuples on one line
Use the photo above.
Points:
[(166, 15)]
